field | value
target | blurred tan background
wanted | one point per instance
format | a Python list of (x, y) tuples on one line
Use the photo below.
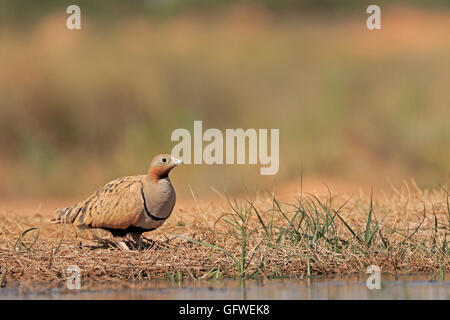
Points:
[(79, 108)]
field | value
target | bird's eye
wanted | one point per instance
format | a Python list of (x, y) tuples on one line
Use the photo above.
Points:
[(164, 160)]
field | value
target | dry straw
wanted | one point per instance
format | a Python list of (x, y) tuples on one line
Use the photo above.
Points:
[(405, 232)]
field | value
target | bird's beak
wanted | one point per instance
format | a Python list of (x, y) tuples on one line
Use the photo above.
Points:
[(176, 161)]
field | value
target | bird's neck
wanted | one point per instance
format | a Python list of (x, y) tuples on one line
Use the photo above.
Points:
[(156, 174)]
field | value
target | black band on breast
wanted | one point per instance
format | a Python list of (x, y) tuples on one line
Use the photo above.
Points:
[(146, 209)]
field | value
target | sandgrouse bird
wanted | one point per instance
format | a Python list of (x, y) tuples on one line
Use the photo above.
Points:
[(128, 206)]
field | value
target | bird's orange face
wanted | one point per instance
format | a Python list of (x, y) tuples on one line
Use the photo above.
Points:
[(161, 166)]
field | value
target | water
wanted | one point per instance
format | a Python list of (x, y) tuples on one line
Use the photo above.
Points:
[(342, 287)]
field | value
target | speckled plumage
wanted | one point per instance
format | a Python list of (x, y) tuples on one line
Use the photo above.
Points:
[(132, 204)]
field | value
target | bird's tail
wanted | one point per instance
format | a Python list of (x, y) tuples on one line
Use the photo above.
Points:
[(66, 215)]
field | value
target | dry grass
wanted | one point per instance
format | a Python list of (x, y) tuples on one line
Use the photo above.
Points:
[(405, 231)]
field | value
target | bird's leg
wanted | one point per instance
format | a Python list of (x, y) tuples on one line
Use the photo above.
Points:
[(138, 240)]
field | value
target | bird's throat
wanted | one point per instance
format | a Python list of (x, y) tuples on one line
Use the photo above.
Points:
[(157, 173)]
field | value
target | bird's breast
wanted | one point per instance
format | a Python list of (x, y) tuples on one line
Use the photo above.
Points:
[(159, 199)]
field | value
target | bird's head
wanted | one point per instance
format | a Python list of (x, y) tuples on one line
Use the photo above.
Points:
[(161, 166)]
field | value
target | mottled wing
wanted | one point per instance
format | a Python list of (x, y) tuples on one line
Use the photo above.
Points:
[(117, 205)]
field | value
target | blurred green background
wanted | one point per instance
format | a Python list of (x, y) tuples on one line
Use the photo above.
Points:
[(81, 107)]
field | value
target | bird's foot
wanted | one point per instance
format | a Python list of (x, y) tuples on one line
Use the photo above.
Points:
[(122, 246), (114, 243)]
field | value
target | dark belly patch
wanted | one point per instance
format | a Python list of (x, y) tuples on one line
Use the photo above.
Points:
[(124, 232)]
